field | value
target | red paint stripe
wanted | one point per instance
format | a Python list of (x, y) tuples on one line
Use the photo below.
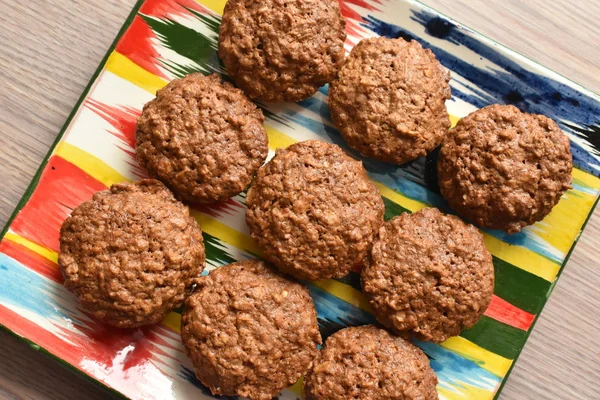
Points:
[(76, 354), (31, 260), (62, 187), (166, 8), (501, 310), (41, 337), (136, 44), (226, 207), (123, 119), (353, 18)]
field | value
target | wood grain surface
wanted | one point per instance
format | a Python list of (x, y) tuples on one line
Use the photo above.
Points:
[(50, 49)]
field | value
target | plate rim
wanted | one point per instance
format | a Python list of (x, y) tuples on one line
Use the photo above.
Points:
[(33, 183), (92, 81)]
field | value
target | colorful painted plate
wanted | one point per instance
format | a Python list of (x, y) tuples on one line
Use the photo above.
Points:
[(165, 39)]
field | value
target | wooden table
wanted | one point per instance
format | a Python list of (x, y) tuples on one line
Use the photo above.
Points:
[(51, 48)]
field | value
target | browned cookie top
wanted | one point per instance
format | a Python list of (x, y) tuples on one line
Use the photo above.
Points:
[(313, 211), (430, 274), (388, 100), (249, 330), (369, 363), (504, 169), (204, 139), (131, 254), (282, 50)]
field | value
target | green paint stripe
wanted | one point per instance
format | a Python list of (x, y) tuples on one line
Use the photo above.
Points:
[(215, 250), (496, 337), (519, 287), (392, 209), (183, 40)]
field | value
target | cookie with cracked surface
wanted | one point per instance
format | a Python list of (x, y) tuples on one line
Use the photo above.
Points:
[(367, 362), (202, 138), (249, 330), (504, 169), (282, 50), (388, 100), (313, 211), (131, 254), (429, 274)]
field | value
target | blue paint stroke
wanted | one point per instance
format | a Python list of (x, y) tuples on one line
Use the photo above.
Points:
[(453, 370), (334, 313), (25, 288), (316, 105), (509, 83)]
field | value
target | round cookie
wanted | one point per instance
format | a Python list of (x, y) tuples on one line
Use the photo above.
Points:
[(430, 274), (202, 138), (388, 100), (131, 254), (367, 362), (313, 211), (504, 169), (282, 50), (249, 330)]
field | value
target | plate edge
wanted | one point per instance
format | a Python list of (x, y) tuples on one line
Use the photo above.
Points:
[(33, 185), (126, 24), (553, 285)]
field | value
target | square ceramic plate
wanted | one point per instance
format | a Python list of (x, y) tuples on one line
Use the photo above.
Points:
[(165, 39)]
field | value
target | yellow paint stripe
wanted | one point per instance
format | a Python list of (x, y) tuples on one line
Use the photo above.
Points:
[(398, 198), (173, 321), (123, 67), (487, 360), (277, 139), (241, 241), (346, 293), (454, 120), (563, 224), (36, 248), (297, 387), (588, 180), (225, 233), (105, 174), (463, 391), (522, 257), (89, 163), (213, 5)]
